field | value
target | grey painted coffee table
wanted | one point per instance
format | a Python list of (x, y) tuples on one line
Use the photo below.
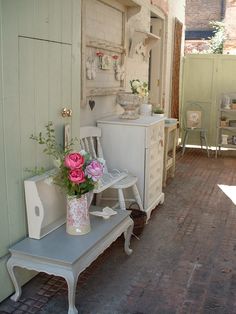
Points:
[(61, 254)]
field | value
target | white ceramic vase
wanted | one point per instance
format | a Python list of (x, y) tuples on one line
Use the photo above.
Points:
[(146, 109)]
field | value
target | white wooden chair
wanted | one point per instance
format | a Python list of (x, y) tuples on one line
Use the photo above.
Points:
[(195, 121), (114, 179)]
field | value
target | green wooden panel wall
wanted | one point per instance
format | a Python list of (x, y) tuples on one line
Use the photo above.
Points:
[(39, 75), (227, 74), (4, 238), (205, 78)]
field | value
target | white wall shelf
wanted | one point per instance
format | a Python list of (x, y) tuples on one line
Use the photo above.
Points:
[(226, 133), (105, 45), (103, 91), (228, 110)]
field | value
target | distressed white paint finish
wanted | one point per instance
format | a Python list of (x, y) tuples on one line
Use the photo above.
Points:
[(107, 21), (45, 205), (103, 31), (137, 145), (73, 253), (136, 67)]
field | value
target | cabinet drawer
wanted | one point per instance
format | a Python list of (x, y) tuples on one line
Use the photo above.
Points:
[(155, 134), (154, 190), (153, 173)]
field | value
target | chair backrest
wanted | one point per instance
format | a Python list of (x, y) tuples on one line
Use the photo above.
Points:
[(90, 141), (195, 117)]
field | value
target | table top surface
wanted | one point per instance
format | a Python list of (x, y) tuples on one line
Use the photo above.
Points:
[(62, 247), (141, 121)]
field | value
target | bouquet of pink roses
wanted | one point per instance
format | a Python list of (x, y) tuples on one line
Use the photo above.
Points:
[(77, 172)]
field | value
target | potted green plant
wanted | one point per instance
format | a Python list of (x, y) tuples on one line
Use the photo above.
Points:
[(157, 111), (223, 121)]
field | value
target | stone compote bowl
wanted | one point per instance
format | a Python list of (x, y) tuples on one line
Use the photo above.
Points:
[(130, 103)]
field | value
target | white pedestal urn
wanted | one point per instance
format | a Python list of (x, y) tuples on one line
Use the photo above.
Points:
[(78, 222), (130, 103)]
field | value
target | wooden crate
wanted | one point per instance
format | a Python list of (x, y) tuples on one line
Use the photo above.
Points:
[(45, 205)]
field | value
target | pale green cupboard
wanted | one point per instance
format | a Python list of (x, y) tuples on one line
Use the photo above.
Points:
[(40, 52), (205, 78)]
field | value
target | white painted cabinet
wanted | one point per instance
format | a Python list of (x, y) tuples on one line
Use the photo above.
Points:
[(137, 145)]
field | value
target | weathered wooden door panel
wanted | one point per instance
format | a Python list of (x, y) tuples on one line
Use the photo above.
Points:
[(45, 87), (227, 77), (11, 182), (46, 19), (198, 87), (39, 75), (205, 78), (4, 236), (198, 74)]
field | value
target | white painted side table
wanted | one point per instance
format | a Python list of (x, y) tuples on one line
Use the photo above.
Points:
[(61, 254)]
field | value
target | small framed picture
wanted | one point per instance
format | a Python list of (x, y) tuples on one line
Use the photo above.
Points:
[(67, 136), (194, 119), (106, 62)]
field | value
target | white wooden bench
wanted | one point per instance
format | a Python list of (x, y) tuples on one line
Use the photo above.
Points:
[(61, 254)]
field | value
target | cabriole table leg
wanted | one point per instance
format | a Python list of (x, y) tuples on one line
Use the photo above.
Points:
[(71, 280), (10, 266), (127, 235)]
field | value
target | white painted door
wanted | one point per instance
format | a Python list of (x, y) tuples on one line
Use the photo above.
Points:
[(156, 63)]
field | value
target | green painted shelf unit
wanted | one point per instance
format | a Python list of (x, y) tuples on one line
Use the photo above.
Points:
[(226, 123)]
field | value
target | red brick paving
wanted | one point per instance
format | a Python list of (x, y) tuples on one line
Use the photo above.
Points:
[(185, 261)]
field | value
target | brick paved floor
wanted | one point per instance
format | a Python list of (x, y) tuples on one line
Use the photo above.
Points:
[(184, 262)]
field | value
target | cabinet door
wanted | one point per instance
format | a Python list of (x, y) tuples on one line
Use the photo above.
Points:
[(154, 167)]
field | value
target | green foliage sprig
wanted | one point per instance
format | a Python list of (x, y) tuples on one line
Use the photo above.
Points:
[(52, 148), (77, 172)]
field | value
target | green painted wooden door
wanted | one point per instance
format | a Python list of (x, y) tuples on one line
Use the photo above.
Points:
[(205, 78), (40, 65)]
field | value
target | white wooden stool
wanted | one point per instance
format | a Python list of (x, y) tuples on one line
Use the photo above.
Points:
[(129, 181)]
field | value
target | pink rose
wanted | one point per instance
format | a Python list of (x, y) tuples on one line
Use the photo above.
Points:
[(77, 176), (94, 170), (74, 160)]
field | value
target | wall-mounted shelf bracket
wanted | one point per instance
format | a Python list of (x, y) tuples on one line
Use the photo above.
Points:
[(147, 39), (131, 11)]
